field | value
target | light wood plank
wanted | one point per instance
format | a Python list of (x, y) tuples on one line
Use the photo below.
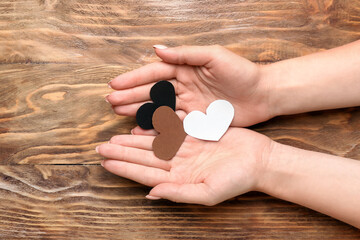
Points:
[(56, 114), (123, 31)]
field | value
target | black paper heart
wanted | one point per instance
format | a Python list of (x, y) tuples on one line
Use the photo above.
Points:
[(162, 94)]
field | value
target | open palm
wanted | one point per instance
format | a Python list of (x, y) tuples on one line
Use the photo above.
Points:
[(200, 75), (201, 172)]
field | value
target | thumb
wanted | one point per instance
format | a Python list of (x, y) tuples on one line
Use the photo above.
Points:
[(190, 55), (186, 193)]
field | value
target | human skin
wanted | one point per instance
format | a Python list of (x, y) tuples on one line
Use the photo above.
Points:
[(325, 80), (208, 173), (201, 172), (200, 75)]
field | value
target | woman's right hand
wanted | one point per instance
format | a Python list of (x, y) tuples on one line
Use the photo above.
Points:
[(202, 172), (200, 75)]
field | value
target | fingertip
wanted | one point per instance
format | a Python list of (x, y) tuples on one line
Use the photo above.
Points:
[(190, 55), (139, 131), (150, 197), (101, 149), (127, 110), (187, 193), (109, 84), (120, 82), (136, 130), (159, 47), (114, 139), (109, 164), (163, 190), (113, 98), (164, 53)]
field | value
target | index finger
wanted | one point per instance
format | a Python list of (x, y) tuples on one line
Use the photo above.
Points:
[(152, 72), (149, 176)]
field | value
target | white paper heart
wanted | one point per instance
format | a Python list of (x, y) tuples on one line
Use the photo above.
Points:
[(211, 126)]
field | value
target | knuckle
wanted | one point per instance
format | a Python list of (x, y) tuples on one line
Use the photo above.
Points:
[(182, 54)]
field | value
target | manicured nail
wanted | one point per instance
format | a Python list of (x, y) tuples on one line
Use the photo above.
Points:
[(106, 98), (97, 149), (160, 46), (132, 131), (109, 84), (102, 163), (152, 197)]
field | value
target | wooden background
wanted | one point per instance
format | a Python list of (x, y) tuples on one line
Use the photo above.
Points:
[(56, 57)]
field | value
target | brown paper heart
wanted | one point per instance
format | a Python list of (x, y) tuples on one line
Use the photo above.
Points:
[(171, 133)]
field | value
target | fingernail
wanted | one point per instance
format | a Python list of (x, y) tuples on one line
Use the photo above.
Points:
[(109, 84), (132, 131), (106, 98), (97, 149), (158, 46), (102, 163), (152, 197)]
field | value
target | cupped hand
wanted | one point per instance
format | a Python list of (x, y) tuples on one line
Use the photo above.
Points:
[(202, 172), (200, 75)]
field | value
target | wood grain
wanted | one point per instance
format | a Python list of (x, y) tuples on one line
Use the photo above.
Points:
[(334, 132), (123, 31), (56, 114), (56, 57), (86, 202)]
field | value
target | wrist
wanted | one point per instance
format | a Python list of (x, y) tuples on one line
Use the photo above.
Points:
[(270, 78), (277, 170), (263, 166)]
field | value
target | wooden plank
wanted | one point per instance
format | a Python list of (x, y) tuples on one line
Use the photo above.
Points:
[(123, 31), (86, 202), (334, 132), (56, 114)]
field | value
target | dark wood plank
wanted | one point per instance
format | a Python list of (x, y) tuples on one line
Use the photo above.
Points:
[(86, 202), (56, 114), (123, 31)]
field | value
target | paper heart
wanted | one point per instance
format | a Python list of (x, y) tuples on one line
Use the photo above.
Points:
[(171, 133), (162, 94), (213, 125)]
